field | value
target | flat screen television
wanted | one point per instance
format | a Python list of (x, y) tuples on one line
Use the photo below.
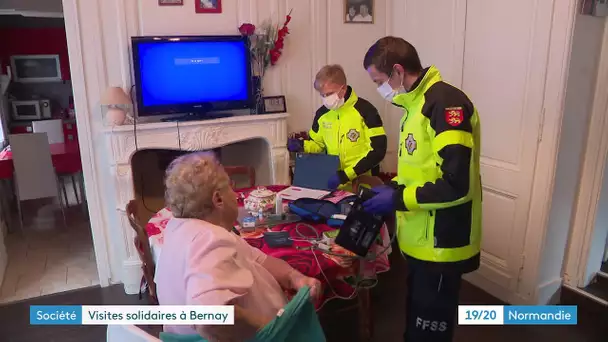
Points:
[(192, 75)]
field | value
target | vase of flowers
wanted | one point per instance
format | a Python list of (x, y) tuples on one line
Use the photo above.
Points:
[(266, 43)]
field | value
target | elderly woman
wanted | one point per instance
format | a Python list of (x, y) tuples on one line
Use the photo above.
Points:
[(204, 263)]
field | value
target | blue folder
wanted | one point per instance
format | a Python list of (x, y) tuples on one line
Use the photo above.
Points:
[(312, 171)]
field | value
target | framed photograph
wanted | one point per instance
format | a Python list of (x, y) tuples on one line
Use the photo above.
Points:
[(274, 104), (170, 2), (208, 6), (359, 11), (598, 8)]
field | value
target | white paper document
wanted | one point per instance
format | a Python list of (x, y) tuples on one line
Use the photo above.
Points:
[(293, 193)]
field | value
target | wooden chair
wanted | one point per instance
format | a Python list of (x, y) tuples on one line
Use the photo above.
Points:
[(143, 248), (241, 170)]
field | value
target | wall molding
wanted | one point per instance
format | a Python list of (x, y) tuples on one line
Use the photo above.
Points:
[(592, 177)]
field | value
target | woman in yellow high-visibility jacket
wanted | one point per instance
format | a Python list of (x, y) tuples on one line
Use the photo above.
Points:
[(347, 126)]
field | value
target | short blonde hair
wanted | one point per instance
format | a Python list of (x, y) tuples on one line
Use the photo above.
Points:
[(190, 183), (333, 73)]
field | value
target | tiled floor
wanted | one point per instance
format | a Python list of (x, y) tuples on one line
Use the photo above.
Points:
[(50, 260)]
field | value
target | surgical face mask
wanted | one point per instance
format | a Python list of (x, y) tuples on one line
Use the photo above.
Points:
[(387, 92), (333, 101)]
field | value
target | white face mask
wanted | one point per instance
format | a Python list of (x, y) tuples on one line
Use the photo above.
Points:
[(333, 101), (387, 92)]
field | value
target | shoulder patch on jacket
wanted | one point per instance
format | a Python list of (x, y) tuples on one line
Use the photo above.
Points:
[(454, 116), (447, 108)]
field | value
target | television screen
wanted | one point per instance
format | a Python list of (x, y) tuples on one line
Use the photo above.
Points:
[(191, 74)]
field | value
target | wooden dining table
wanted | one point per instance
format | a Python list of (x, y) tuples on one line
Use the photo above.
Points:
[(62, 154)]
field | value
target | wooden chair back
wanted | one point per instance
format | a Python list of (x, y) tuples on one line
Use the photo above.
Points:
[(248, 171), (142, 245)]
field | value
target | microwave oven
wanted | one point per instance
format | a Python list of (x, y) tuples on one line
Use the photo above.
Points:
[(36, 68), (31, 110)]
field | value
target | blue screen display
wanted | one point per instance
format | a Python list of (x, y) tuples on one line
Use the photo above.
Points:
[(175, 73)]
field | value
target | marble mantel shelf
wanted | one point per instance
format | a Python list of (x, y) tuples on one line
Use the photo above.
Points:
[(195, 135), (124, 141), (161, 125)]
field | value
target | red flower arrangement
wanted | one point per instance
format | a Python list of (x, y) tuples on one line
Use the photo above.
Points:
[(266, 43), (247, 29), (277, 49)]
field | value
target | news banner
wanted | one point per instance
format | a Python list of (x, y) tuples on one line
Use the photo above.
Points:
[(224, 315)]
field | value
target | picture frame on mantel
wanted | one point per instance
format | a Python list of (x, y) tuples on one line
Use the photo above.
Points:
[(170, 2), (208, 6), (359, 11), (274, 104)]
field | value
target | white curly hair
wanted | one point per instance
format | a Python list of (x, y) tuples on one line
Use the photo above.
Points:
[(190, 183)]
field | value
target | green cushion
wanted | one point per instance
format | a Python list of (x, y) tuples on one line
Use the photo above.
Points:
[(298, 323)]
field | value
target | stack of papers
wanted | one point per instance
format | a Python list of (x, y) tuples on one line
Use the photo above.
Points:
[(293, 193)]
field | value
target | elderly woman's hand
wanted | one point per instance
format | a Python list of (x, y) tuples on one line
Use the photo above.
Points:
[(299, 281), (289, 278)]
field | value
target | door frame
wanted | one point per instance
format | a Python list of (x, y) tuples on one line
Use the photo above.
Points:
[(592, 176), (82, 85)]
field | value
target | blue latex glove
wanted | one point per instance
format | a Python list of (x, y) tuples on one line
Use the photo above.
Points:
[(295, 145), (334, 182), (381, 204)]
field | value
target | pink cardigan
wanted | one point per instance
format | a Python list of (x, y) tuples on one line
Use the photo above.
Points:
[(203, 264)]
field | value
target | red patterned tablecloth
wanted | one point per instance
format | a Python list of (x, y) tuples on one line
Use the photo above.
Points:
[(338, 278)]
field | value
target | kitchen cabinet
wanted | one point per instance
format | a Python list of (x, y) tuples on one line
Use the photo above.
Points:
[(21, 129), (35, 41), (70, 132)]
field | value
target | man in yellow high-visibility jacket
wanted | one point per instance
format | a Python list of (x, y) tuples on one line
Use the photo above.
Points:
[(436, 195), (346, 126)]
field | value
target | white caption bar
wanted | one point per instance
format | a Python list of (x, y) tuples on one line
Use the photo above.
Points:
[(157, 314)]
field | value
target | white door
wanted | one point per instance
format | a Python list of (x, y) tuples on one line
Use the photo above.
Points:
[(439, 41), (505, 57)]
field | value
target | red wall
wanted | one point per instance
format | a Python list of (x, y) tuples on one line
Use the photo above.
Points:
[(35, 41)]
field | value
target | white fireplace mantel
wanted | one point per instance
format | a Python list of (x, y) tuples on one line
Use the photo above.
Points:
[(124, 141)]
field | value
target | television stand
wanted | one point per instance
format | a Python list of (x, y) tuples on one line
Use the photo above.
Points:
[(197, 117)]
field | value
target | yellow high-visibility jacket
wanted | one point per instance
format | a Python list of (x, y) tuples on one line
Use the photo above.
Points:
[(438, 197), (353, 132)]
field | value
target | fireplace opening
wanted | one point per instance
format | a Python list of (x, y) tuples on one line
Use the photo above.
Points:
[(148, 168)]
